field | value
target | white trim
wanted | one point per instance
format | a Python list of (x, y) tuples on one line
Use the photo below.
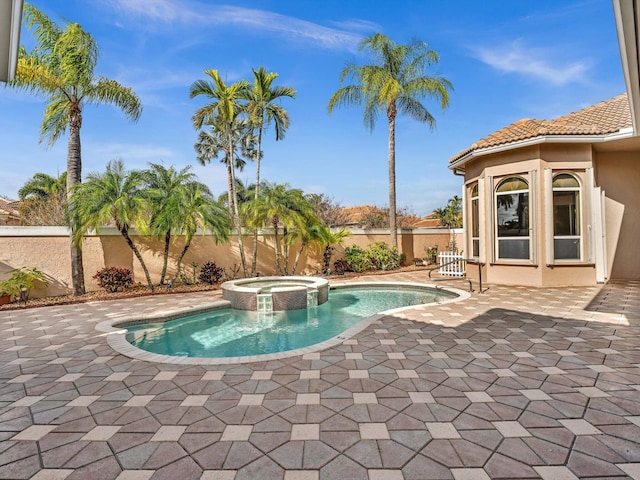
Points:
[(627, 25), (589, 214), (599, 234), (10, 22), (482, 231), (465, 239), (548, 213)]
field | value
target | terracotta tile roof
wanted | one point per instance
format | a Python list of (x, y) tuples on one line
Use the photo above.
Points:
[(9, 207), (603, 118), (355, 216)]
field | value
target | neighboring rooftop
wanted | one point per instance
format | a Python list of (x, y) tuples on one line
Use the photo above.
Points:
[(607, 117)]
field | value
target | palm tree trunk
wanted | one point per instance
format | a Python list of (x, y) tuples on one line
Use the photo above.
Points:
[(236, 211), (298, 255), (393, 226), (276, 246), (182, 254), (167, 241), (254, 261), (74, 176), (285, 250), (125, 233)]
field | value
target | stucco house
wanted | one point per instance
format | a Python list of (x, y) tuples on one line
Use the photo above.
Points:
[(557, 202)]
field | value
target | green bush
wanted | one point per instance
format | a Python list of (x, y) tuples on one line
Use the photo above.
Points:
[(23, 278), (113, 278), (357, 259), (384, 257), (210, 273)]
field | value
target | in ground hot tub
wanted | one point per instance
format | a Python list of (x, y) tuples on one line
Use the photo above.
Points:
[(269, 294)]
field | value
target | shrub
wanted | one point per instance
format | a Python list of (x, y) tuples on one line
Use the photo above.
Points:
[(384, 257), (340, 266), (357, 259), (114, 278), (210, 273)]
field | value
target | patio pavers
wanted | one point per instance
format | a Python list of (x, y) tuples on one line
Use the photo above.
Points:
[(515, 382)]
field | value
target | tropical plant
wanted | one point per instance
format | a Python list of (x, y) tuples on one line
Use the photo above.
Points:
[(21, 281), (263, 110), (113, 279), (384, 257), (357, 259), (311, 234), (277, 206), (394, 82), (44, 187), (222, 112), (333, 238), (111, 197), (199, 210), (451, 215), (61, 67), (165, 189), (210, 273), (215, 142)]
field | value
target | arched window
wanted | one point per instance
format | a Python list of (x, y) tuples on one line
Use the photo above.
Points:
[(475, 222), (567, 244), (512, 219)]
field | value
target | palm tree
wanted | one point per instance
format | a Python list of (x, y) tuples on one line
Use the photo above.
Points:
[(199, 210), (278, 205), (222, 111), (313, 233), (43, 200), (450, 216), (43, 186), (110, 197), (166, 191), (393, 83), (215, 141), (61, 67), (263, 110)]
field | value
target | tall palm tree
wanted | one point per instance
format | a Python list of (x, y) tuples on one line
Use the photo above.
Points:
[(61, 67), (395, 82), (110, 197), (166, 191), (215, 141), (222, 110), (263, 110), (199, 210)]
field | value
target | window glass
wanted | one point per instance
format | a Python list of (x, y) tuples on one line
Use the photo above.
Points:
[(512, 219), (566, 218)]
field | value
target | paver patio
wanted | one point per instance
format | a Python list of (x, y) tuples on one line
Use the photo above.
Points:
[(512, 383)]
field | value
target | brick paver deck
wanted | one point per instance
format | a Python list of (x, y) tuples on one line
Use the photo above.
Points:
[(512, 383)]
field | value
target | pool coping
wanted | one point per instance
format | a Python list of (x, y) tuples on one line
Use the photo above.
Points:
[(116, 335)]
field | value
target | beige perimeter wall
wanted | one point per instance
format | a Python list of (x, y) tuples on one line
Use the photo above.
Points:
[(47, 248)]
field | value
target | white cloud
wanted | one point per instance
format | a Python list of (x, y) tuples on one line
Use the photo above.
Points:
[(197, 14), (536, 62)]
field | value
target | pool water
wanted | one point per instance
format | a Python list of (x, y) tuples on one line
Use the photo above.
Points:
[(233, 333)]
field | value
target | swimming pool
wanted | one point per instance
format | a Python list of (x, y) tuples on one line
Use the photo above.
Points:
[(231, 334)]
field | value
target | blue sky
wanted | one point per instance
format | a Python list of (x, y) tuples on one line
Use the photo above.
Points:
[(507, 60)]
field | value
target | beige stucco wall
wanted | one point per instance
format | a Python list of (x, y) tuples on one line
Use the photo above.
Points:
[(47, 248), (531, 163), (619, 176), (617, 173)]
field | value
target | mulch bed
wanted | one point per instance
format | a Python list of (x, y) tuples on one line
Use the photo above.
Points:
[(143, 291)]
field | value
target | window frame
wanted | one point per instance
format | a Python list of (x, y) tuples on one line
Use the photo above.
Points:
[(474, 198), (578, 220), (529, 237)]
